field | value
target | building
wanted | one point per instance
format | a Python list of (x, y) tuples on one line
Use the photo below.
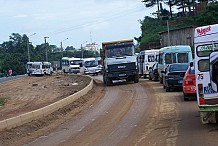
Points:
[(180, 36)]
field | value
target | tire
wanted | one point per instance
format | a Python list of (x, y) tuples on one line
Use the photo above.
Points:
[(161, 80), (108, 81), (104, 81), (144, 76), (164, 86), (167, 89), (186, 98), (136, 79), (149, 77)]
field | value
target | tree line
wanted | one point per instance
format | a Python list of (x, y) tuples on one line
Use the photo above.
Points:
[(14, 53)]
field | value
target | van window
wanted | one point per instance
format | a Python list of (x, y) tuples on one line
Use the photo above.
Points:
[(182, 58)]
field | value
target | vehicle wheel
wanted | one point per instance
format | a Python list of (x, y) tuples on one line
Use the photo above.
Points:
[(186, 98), (104, 81), (144, 76), (136, 79), (108, 81), (167, 89), (150, 77)]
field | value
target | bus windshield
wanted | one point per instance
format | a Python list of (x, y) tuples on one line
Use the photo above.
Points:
[(76, 62), (91, 63)]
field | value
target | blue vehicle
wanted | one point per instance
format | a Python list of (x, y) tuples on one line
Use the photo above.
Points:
[(173, 54)]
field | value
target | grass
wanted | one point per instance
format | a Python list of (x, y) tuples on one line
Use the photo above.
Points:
[(2, 101)]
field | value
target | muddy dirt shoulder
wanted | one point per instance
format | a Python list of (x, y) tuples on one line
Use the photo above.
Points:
[(31, 93)]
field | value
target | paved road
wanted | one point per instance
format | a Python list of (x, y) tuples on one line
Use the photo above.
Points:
[(134, 115), (5, 79)]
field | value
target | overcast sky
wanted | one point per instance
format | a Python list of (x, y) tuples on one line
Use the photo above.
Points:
[(79, 20)]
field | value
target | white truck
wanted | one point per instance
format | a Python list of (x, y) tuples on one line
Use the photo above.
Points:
[(119, 61)]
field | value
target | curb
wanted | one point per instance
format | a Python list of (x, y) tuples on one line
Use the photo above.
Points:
[(44, 111)]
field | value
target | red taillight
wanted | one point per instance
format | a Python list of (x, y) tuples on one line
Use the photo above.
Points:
[(202, 101), (189, 81), (201, 94)]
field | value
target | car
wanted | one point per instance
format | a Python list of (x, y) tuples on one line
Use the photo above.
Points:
[(189, 88), (153, 72), (173, 75)]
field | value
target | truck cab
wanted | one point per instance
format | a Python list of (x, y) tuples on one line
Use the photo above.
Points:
[(119, 61)]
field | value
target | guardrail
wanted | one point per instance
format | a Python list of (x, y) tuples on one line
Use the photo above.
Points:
[(42, 112)]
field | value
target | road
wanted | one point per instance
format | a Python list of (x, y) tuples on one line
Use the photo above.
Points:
[(134, 115), (5, 79)]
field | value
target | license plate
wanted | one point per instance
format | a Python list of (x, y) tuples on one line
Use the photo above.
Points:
[(180, 81), (121, 75)]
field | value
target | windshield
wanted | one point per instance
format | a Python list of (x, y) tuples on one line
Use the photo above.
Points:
[(119, 51), (179, 67), (76, 62), (91, 63)]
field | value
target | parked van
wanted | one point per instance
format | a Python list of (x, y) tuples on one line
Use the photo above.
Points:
[(173, 54), (206, 69), (146, 59)]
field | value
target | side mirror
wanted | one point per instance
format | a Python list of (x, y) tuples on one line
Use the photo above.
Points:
[(191, 64), (150, 67)]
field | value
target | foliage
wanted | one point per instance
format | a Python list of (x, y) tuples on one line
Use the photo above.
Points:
[(13, 54), (151, 27)]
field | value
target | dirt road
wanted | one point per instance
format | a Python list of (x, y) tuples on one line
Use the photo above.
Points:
[(128, 114)]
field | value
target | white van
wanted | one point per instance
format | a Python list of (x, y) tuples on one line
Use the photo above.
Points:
[(206, 69)]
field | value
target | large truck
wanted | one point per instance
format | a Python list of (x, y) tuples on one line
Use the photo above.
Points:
[(119, 61)]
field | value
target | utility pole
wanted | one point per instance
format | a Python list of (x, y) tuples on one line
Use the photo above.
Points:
[(46, 49), (28, 47), (62, 50)]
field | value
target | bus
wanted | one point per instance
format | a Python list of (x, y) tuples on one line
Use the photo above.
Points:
[(39, 68), (173, 54), (145, 60), (72, 65), (206, 71)]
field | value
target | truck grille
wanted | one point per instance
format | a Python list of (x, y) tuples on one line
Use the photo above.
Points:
[(121, 67)]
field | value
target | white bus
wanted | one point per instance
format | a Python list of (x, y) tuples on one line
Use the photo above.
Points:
[(146, 59), (72, 65), (39, 68), (173, 54), (206, 71)]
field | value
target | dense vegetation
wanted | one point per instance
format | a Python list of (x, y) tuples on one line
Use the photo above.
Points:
[(151, 27), (14, 54)]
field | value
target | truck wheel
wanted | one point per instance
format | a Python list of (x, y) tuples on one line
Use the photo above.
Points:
[(136, 79), (104, 81), (108, 81)]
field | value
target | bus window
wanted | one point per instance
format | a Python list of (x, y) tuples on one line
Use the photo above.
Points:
[(203, 65), (168, 58), (151, 58), (182, 58)]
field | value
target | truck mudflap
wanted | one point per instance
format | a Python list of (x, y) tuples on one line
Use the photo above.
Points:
[(209, 114)]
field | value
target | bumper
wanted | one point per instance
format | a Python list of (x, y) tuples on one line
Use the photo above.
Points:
[(122, 75), (174, 83), (189, 89)]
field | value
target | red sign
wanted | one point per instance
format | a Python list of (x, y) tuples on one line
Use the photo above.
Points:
[(203, 31)]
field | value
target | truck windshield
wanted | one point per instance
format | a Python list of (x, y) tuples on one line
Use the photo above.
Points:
[(113, 52)]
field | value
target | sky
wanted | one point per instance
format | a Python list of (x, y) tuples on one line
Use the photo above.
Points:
[(81, 21)]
